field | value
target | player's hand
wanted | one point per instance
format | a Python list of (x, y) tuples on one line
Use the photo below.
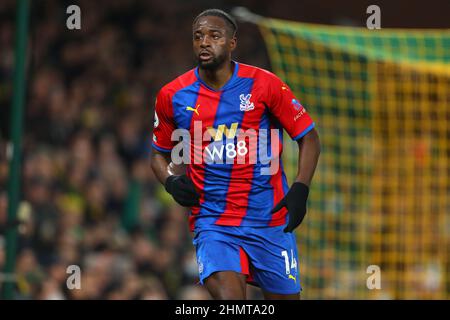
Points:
[(295, 203), (182, 190)]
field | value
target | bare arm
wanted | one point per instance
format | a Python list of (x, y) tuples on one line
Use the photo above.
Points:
[(308, 156), (163, 167), (160, 165)]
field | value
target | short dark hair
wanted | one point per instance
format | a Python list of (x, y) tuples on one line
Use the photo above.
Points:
[(231, 23)]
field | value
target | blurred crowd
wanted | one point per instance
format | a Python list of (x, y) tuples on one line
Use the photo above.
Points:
[(88, 195)]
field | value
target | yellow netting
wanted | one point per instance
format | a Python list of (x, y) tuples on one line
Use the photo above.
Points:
[(381, 102)]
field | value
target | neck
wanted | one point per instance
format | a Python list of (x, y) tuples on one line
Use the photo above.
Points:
[(218, 77)]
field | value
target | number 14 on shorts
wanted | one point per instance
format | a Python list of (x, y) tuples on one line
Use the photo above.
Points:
[(292, 264)]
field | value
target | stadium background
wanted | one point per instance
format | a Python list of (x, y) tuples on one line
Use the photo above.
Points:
[(89, 197)]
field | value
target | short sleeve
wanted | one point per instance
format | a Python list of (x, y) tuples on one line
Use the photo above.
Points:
[(287, 109), (163, 124)]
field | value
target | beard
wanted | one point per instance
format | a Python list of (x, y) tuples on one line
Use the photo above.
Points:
[(212, 64)]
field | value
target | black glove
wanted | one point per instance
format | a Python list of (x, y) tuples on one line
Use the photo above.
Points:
[(295, 202), (182, 190)]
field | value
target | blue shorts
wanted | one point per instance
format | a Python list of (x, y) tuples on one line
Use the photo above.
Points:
[(266, 254)]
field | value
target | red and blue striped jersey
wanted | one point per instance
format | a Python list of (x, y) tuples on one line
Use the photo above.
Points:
[(234, 142)]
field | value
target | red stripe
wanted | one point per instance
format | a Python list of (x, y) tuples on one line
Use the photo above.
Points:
[(245, 266), (164, 99), (247, 71), (276, 181), (241, 178), (181, 82), (304, 123), (208, 102)]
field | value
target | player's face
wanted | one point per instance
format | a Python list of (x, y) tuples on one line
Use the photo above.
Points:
[(212, 42)]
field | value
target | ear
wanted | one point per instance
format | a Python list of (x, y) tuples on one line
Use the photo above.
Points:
[(233, 43)]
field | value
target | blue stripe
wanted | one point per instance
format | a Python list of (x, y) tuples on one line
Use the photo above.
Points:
[(182, 99), (304, 132), (160, 149), (260, 198)]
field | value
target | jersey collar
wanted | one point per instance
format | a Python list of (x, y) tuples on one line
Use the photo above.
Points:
[(227, 85)]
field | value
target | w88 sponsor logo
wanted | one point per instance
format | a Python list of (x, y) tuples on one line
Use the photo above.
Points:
[(215, 151), (228, 144)]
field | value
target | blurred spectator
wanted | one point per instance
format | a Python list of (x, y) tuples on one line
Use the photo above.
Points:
[(89, 196), (192, 292)]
